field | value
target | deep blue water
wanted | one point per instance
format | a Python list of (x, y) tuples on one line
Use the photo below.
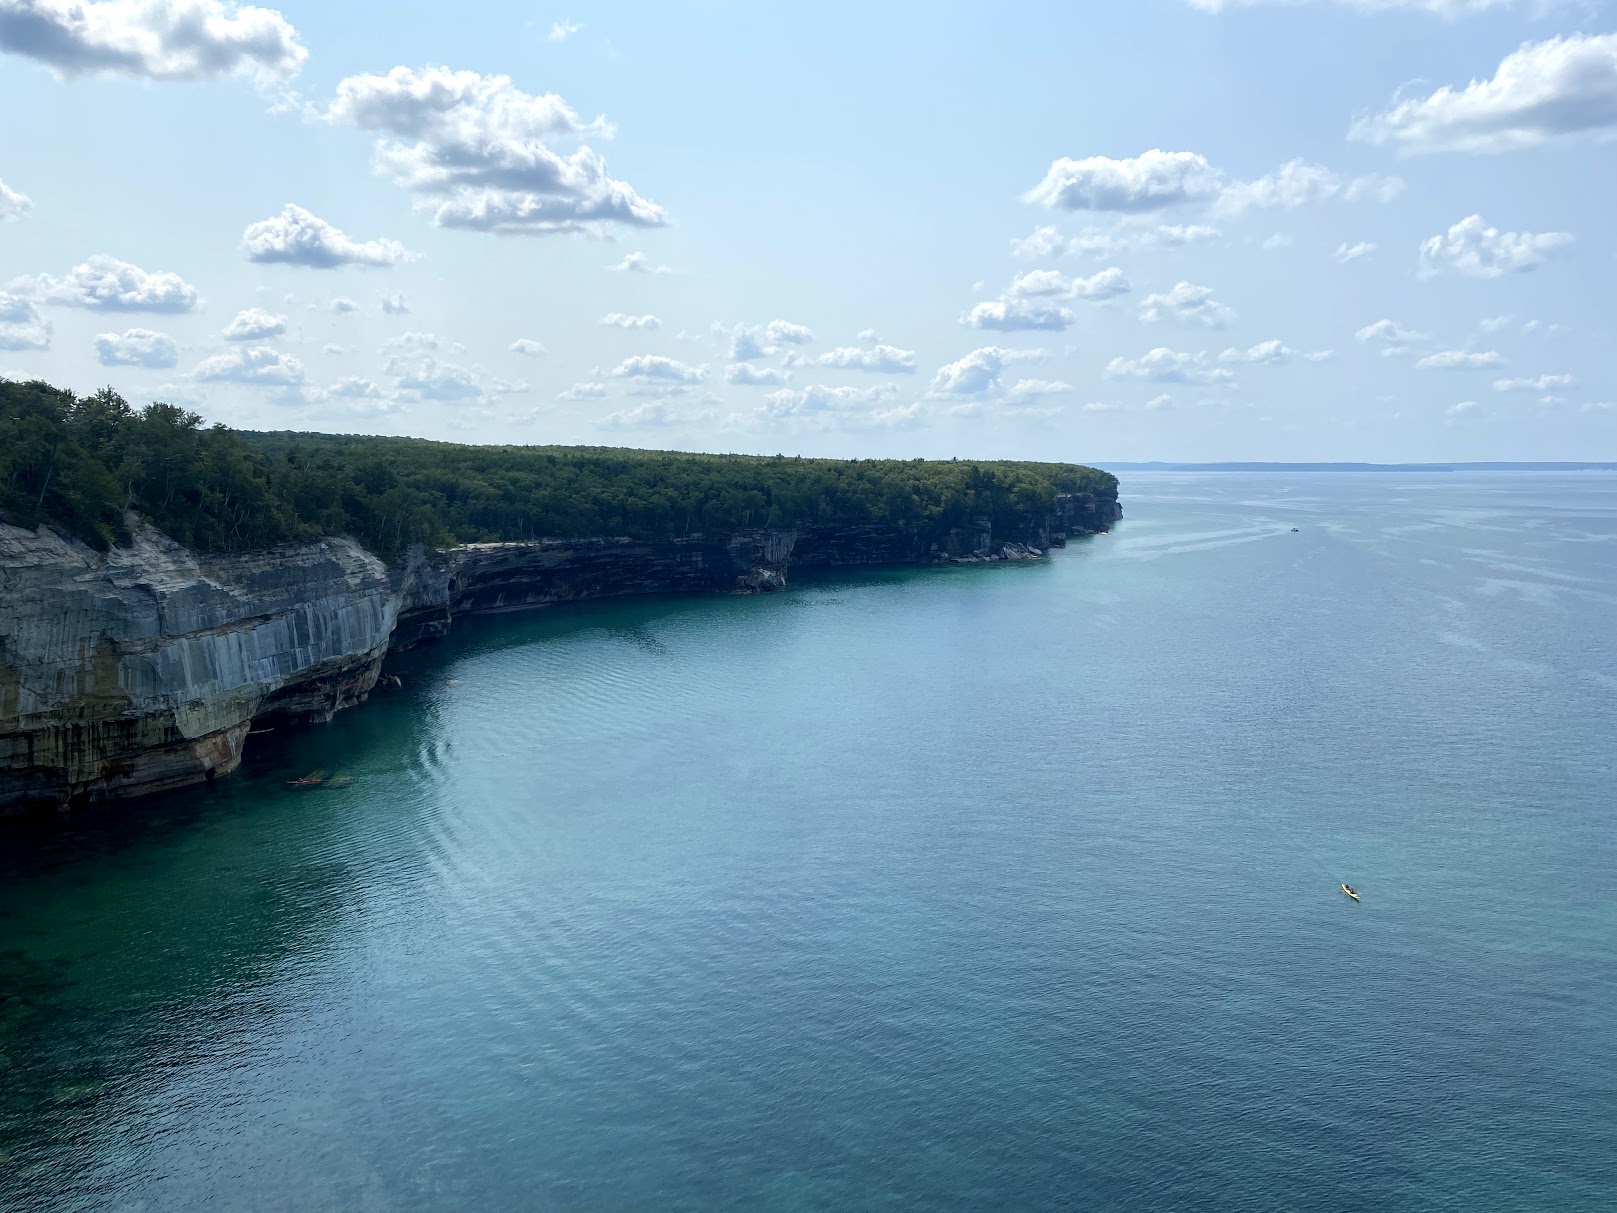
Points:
[(999, 888)]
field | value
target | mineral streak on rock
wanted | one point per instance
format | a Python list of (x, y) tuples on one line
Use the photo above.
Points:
[(142, 669)]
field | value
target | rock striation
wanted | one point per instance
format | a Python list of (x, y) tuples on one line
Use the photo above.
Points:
[(144, 668)]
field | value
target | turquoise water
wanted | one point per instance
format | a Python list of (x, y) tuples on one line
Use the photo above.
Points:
[(975, 888)]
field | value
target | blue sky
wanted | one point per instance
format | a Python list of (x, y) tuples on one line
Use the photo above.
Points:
[(1171, 229)]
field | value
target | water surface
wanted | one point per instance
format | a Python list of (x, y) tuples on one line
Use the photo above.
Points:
[(968, 889)]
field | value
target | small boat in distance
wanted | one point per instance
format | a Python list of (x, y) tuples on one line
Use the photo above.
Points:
[(1351, 891), (312, 780)]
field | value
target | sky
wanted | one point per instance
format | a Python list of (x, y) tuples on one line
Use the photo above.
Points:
[(1167, 229)]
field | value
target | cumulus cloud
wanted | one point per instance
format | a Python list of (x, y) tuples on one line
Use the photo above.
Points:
[(253, 323), (1461, 409), (978, 372), (1542, 91), (1272, 352), (394, 305), (342, 305), (1032, 389), (1460, 360), (583, 391), (819, 398), (1163, 365), (750, 341), (527, 346), (651, 414), (1163, 401), (1473, 248), (256, 364), (431, 378), (354, 387), (1035, 284), (1298, 183), (473, 149), (13, 203), (656, 367), (560, 31), (639, 263), (1539, 383), (1018, 315), (1150, 181), (136, 348), (1352, 252), (746, 374), (22, 327), (1320, 355), (882, 359), (1391, 337), (620, 320), (1187, 303), (152, 39), (106, 284), (411, 343), (296, 237)]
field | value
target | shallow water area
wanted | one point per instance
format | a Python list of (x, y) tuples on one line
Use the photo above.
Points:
[(1005, 887)]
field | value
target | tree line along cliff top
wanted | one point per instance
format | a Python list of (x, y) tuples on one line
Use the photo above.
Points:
[(79, 463)]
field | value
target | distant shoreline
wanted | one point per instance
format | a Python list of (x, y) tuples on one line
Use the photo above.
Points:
[(1105, 465)]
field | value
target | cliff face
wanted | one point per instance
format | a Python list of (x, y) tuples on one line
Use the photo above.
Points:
[(140, 670), (143, 669)]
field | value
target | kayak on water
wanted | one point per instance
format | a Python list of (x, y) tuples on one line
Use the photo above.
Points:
[(1351, 891)]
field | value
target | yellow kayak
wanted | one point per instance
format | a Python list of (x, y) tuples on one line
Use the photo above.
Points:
[(1348, 889)]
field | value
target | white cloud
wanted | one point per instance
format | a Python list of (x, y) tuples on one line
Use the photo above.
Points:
[(656, 366), (428, 377), (13, 203), (1492, 324), (1150, 181), (560, 31), (1540, 383), (747, 374), (472, 148), (1272, 352), (639, 263), (394, 305), (255, 364), (1392, 337), (252, 323), (1293, 184), (342, 304), (1163, 365), (1542, 91), (583, 391), (1320, 355), (649, 414), (1045, 243), (353, 387), (1473, 248), (1352, 252), (1018, 315), (527, 346), (332, 347), (1053, 283), (1163, 401), (882, 359), (749, 341), (1460, 360), (978, 372), (296, 237), (106, 284), (152, 39), (1461, 409), (623, 321), (1188, 304), (1030, 389), (819, 398), (1278, 241), (22, 327), (411, 343)]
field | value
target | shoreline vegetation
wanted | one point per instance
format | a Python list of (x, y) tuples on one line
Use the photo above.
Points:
[(81, 463)]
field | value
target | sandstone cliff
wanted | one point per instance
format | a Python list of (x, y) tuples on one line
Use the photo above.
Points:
[(142, 669)]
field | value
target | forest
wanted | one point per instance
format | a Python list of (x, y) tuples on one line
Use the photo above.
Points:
[(80, 462)]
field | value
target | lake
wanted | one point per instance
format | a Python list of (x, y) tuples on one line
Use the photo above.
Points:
[(972, 888)]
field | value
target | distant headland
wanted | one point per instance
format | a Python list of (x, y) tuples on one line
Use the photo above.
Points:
[(1355, 467)]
